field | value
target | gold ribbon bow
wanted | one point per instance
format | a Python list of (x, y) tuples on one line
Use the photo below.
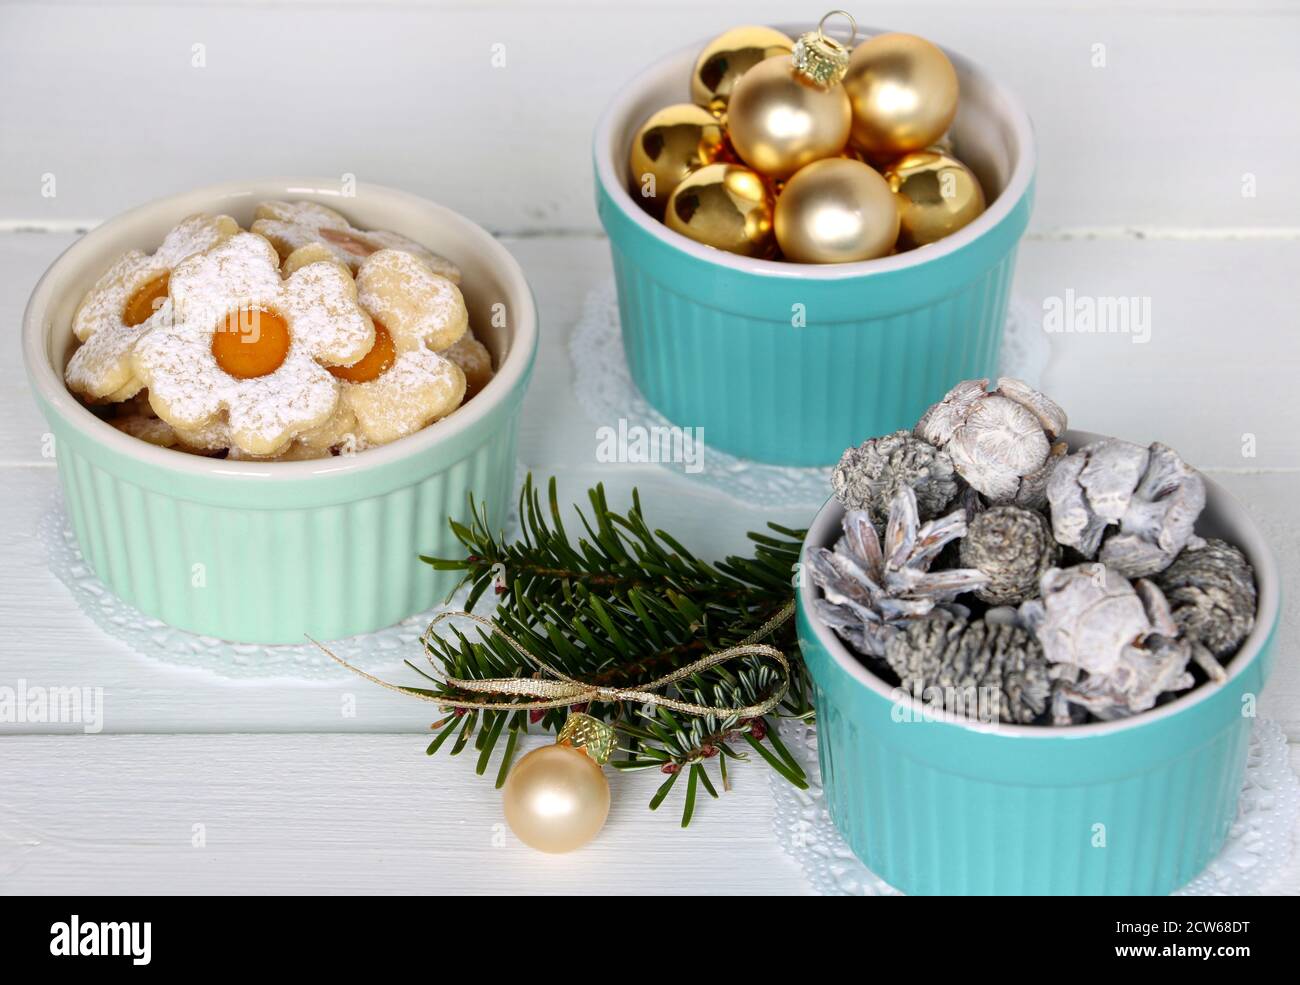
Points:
[(562, 690)]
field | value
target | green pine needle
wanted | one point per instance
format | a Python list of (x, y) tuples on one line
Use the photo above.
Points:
[(619, 606)]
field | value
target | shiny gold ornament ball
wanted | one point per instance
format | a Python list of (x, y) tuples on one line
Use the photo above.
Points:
[(836, 211), (779, 122), (727, 206), (904, 94), (556, 798), (729, 56), (936, 196), (670, 145)]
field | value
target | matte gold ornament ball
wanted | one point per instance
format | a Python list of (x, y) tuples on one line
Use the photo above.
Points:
[(670, 145), (556, 798), (727, 206), (936, 195), (779, 121), (903, 90), (836, 211), (729, 56)]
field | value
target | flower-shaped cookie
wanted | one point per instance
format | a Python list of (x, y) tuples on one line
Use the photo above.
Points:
[(207, 440), (109, 320), (136, 418), (291, 225), (244, 342), (419, 307), (420, 387), (404, 383), (311, 253), (337, 431), (474, 360)]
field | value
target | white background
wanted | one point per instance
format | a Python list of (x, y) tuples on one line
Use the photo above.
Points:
[(1168, 173)]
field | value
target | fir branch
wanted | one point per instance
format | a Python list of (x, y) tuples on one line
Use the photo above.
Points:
[(619, 606)]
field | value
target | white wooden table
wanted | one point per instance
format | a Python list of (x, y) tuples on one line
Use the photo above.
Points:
[(1167, 173)]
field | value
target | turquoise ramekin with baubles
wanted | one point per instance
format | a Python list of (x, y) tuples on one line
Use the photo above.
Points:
[(789, 362), (1036, 654)]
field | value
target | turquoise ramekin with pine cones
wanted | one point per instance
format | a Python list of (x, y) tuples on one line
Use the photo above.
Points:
[(791, 363), (265, 552), (939, 804)]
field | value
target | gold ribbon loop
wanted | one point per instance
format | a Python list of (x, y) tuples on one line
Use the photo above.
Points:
[(561, 690)]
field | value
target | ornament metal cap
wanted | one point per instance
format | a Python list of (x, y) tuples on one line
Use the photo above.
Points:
[(822, 60), (591, 735)]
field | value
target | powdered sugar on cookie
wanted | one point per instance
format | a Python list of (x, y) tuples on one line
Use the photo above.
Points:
[(128, 295), (214, 437), (475, 361), (292, 225), (421, 312), (189, 388), (105, 303), (261, 345), (419, 388), (101, 367), (420, 308)]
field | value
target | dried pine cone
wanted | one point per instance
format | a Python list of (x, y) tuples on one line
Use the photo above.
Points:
[(868, 476), (1003, 442), (1211, 590), (1150, 494), (1013, 546), (1090, 616), (961, 658), (1114, 645), (871, 588)]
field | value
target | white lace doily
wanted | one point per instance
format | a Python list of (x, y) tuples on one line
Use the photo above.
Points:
[(604, 388), (1259, 845), (156, 640)]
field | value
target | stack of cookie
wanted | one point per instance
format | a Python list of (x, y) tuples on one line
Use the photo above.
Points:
[(301, 338)]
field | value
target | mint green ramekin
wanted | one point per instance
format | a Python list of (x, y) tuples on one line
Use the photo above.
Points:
[(791, 363), (941, 805), (265, 552)]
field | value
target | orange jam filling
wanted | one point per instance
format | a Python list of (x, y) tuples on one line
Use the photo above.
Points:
[(354, 244), (144, 302), (250, 342), (374, 363)]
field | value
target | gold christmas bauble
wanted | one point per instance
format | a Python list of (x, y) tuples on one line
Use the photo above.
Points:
[(729, 56), (556, 798), (670, 145), (904, 94), (836, 211), (779, 121), (726, 206), (936, 196)]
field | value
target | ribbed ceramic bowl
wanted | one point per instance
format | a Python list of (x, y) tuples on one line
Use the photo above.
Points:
[(709, 335), (265, 552), (1132, 807)]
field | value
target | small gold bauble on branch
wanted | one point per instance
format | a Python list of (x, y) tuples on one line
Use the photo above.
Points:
[(727, 206), (556, 797), (729, 56), (904, 92), (836, 211), (936, 196), (780, 120), (670, 145)]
